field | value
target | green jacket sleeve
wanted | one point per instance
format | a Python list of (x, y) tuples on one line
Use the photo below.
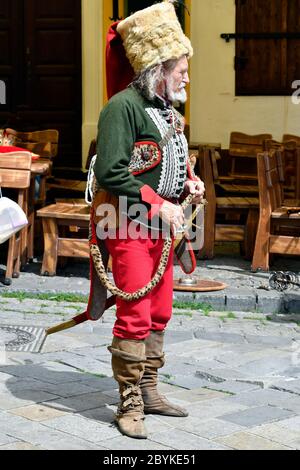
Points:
[(116, 138), (117, 134)]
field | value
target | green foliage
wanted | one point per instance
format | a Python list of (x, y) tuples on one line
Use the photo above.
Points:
[(192, 306), (61, 297)]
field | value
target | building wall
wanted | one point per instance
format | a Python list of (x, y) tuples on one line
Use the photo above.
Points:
[(92, 70), (215, 110)]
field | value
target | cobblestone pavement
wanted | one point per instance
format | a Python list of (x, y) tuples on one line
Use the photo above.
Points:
[(238, 375)]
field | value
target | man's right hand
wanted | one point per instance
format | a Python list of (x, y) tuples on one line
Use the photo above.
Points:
[(172, 215)]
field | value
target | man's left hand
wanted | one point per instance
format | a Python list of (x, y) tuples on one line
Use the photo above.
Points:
[(196, 188)]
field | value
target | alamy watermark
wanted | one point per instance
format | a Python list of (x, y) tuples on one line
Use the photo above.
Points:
[(296, 94), (133, 222), (2, 92)]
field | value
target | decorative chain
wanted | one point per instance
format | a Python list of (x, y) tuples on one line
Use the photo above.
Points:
[(282, 281), (129, 297)]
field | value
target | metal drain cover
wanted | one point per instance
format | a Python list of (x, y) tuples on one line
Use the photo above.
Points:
[(21, 338)]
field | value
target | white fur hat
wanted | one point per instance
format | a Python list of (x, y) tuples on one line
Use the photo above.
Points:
[(153, 36)]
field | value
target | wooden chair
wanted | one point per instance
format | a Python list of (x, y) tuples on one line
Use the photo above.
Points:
[(294, 138), (226, 185), (75, 187), (291, 164), (16, 175), (56, 219), (233, 209), (43, 143), (279, 220), (242, 151)]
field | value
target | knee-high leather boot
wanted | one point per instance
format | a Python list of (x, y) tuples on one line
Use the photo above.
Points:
[(128, 359), (154, 403)]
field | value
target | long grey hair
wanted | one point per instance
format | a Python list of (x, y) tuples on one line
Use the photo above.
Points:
[(147, 81)]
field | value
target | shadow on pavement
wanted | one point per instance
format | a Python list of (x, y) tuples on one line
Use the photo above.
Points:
[(68, 392)]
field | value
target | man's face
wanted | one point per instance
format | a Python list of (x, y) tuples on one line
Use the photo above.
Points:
[(177, 80)]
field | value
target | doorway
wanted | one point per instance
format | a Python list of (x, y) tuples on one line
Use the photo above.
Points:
[(40, 64)]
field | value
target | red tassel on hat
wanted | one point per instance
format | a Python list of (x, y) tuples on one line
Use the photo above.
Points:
[(119, 73)]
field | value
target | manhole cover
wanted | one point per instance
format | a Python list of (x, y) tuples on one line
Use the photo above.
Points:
[(21, 338)]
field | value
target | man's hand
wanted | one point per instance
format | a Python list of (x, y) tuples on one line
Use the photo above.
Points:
[(172, 215), (196, 188)]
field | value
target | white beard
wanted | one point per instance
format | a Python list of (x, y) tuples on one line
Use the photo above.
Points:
[(176, 96), (179, 96)]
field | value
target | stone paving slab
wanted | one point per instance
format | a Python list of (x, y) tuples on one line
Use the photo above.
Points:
[(292, 386), (123, 442), (5, 439), (8, 401), (76, 425), (37, 412), (39, 435), (206, 428), (234, 387), (21, 446), (256, 416), (266, 397), (277, 433), (82, 402), (246, 441), (186, 441)]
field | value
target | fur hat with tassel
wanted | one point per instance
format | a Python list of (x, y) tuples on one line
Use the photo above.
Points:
[(153, 36)]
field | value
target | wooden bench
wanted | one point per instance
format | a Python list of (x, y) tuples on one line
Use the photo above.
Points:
[(57, 218), (279, 220), (233, 210)]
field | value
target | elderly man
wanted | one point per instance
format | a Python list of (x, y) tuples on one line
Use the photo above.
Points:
[(143, 156)]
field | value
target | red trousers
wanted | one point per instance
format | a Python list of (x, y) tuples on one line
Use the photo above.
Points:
[(134, 264)]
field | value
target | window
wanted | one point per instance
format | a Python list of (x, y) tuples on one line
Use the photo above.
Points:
[(267, 60)]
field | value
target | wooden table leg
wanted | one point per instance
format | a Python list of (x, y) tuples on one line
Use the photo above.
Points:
[(50, 249)]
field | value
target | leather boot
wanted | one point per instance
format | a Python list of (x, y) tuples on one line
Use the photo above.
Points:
[(128, 359), (154, 403)]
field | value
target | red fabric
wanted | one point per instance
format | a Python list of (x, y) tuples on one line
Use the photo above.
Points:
[(149, 195), (119, 73), (134, 264), (11, 149)]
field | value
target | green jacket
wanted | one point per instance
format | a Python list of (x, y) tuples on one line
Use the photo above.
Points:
[(128, 119)]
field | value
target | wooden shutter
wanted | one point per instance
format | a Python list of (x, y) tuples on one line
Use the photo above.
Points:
[(267, 66)]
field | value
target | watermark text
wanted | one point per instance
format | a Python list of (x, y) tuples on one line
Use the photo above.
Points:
[(2, 92)]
